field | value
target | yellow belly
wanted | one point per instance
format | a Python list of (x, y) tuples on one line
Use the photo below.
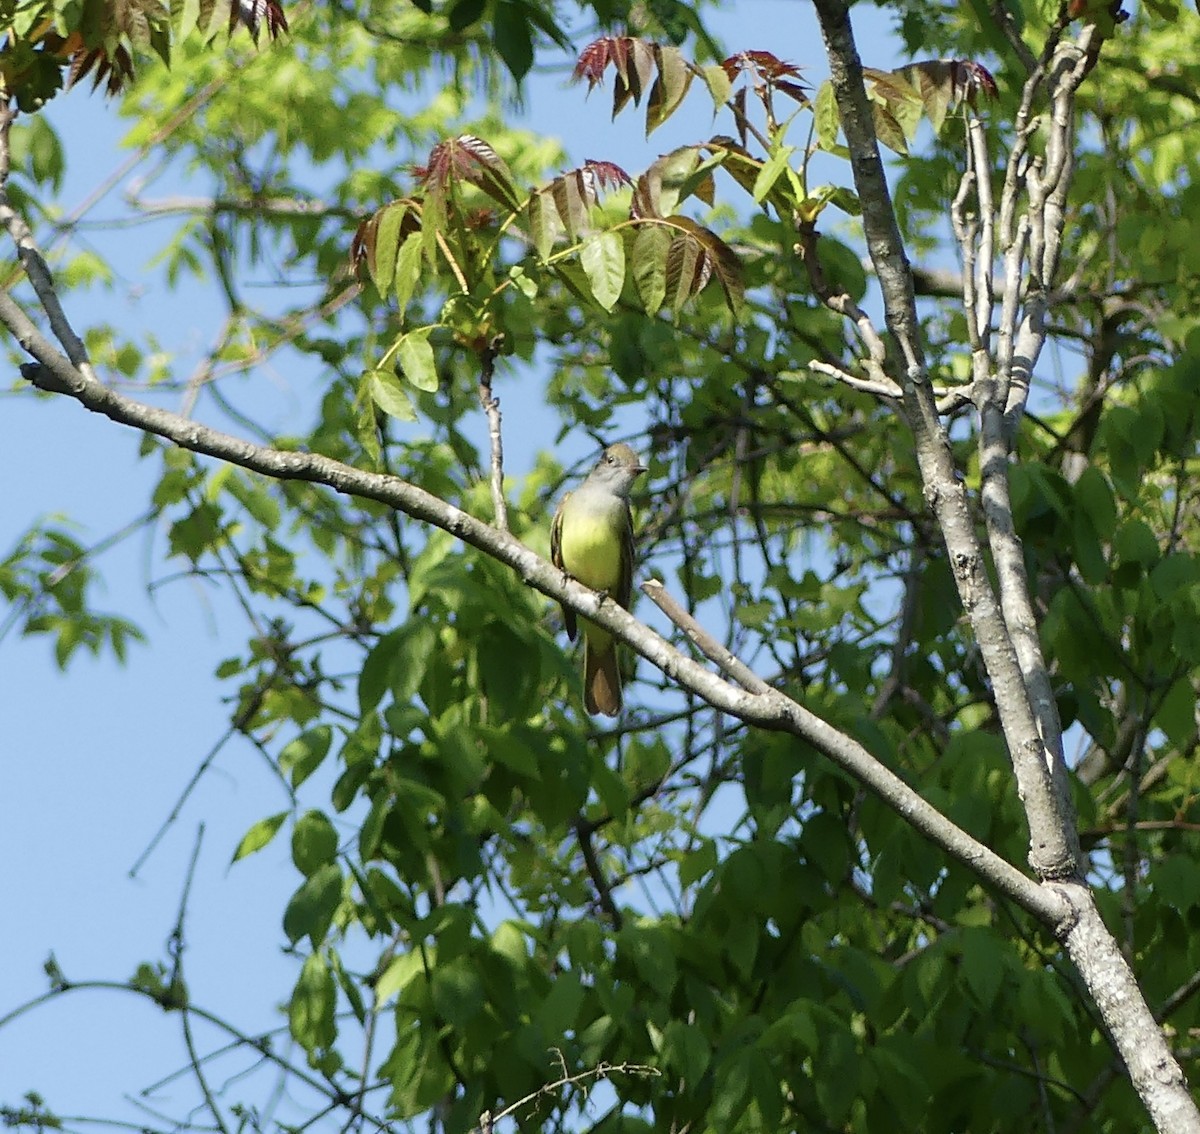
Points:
[(591, 552)]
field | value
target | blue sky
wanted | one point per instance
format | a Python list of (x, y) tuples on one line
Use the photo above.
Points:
[(96, 757)]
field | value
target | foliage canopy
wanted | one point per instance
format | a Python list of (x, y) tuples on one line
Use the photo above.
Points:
[(715, 916)]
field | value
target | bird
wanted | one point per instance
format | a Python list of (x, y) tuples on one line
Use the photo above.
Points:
[(591, 539)]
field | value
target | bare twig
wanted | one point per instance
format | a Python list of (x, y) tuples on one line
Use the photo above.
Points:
[(885, 388), (35, 267), (243, 718), (178, 988), (602, 1070), (842, 303), (491, 406), (708, 645), (596, 873)]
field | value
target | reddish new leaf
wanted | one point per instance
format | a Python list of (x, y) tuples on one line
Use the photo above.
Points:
[(593, 60), (720, 260), (254, 13), (636, 61), (762, 64), (694, 256), (936, 83), (888, 130), (606, 174), (573, 194), (113, 70), (637, 64), (797, 91), (471, 159), (688, 270)]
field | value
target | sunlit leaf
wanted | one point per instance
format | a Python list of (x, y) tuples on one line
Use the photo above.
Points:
[(259, 835), (603, 259), (387, 391), (649, 265), (415, 357)]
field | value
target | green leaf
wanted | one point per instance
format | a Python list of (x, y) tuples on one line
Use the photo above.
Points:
[(349, 986), (196, 533), (387, 243), (314, 842), (513, 37), (686, 1051), (778, 161), (311, 1011), (458, 992), (1176, 880), (1134, 542), (400, 971), (416, 1071), (415, 357), (543, 222), (1088, 550), (1095, 497), (408, 275), (302, 756), (311, 909), (558, 1013), (698, 863), (648, 948), (649, 264), (603, 260), (719, 85), (388, 393), (983, 963), (259, 835), (670, 86), (826, 117), (1176, 716), (463, 13)]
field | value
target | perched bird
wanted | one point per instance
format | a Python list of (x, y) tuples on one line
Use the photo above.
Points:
[(591, 539)]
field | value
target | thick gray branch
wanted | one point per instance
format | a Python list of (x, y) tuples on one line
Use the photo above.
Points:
[(1053, 846), (769, 709), (1134, 1031)]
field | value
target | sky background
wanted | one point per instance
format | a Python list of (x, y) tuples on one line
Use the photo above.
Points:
[(95, 758)]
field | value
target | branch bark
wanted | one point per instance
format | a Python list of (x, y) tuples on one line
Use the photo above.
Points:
[(770, 709), (1054, 850), (1007, 630)]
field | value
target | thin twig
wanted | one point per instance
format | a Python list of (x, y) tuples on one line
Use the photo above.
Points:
[(240, 722), (491, 406), (707, 644), (602, 1070), (880, 389), (177, 946), (596, 873), (35, 267)]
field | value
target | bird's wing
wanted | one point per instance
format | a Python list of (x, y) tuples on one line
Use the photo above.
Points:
[(625, 584), (557, 559)]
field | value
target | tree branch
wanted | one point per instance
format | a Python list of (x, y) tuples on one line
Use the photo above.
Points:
[(491, 406), (771, 709), (1053, 850)]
